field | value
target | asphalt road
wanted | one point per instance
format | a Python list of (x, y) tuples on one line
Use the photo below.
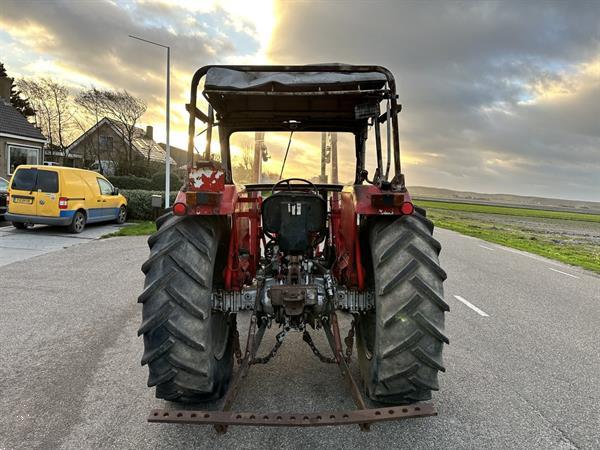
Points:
[(523, 367)]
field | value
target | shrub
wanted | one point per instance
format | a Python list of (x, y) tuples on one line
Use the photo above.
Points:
[(158, 181), (131, 182), (139, 203)]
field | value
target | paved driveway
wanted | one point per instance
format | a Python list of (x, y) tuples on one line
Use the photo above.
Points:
[(17, 245)]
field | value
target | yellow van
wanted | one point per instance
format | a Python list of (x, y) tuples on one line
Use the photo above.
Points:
[(55, 195)]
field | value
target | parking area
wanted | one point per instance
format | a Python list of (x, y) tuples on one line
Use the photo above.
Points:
[(18, 245)]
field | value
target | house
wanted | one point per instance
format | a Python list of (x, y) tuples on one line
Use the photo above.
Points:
[(20, 141), (178, 154), (105, 146)]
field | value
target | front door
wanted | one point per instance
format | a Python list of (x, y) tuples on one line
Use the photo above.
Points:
[(109, 201)]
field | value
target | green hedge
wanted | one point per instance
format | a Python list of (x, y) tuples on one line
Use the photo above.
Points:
[(157, 182), (139, 203)]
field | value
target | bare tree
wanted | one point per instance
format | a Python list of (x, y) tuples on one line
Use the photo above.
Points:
[(89, 102), (54, 113), (123, 109)]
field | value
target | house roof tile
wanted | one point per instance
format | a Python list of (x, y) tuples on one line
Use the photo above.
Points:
[(12, 122)]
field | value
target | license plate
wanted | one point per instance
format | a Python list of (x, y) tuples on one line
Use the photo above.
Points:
[(26, 201)]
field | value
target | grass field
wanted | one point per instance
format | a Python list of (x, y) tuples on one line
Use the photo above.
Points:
[(572, 238), (509, 211)]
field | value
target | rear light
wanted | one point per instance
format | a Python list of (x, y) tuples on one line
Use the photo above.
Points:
[(180, 209), (63, 202), (407, 208)]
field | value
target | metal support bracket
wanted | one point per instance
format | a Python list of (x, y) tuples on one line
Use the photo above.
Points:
[(354, 301)]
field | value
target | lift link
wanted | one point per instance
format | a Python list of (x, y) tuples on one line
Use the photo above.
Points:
[(237, 349)]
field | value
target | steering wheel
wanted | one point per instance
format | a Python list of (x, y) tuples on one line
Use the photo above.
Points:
[(279, 185)]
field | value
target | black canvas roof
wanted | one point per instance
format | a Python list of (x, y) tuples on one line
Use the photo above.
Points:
[(330, 98)]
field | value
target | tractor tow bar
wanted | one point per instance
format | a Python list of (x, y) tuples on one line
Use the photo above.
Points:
[(361, 416)]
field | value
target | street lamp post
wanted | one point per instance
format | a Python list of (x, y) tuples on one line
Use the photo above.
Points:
[(168, 149)]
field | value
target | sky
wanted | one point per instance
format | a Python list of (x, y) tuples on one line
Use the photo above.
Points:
[(498, 97)]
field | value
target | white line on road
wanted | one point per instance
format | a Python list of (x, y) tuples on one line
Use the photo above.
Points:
[(564, 273), (472, 306), (487, 248)]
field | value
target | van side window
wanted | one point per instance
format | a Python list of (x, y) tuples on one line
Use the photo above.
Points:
[(47, 181), (24, 180), (105, 187)]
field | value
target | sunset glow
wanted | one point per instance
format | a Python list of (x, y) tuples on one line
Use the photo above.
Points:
[(474, 96)]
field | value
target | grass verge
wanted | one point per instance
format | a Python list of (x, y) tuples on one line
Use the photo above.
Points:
[(137, 229), (586, 256)]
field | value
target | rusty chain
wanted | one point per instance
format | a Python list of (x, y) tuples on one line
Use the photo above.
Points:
[(348, 340), (263, 360), (306, 338)]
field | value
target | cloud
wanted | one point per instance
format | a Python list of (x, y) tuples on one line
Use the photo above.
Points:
[(497, 96), (84, 43)]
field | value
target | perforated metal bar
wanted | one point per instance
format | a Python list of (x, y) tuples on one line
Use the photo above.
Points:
[(278, 419)]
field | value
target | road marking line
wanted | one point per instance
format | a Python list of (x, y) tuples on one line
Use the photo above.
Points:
[(487, 248), (564, 273), (472, 306)]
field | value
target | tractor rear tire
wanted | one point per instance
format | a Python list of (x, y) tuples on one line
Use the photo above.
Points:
[(188, 348), (400, 343)]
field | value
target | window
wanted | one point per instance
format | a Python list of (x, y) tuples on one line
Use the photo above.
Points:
[(305, 158), (105, 187), (105, 142), (47, 181), (24, 180), (35, 180), (3, 184), (18, 155)]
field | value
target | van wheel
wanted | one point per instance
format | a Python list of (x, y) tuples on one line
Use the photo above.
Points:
[(20, 225), (78, 223), (122, 217)]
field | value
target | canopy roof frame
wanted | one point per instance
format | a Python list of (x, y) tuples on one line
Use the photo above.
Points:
[(255, 121)]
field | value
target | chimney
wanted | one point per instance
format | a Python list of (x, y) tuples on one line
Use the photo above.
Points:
[(150, 132), (5, 85)]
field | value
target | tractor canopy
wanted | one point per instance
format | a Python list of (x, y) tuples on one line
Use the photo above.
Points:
[(329, 101), (316, 98)]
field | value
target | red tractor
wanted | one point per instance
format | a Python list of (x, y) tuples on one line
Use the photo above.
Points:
[(294, 251)]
